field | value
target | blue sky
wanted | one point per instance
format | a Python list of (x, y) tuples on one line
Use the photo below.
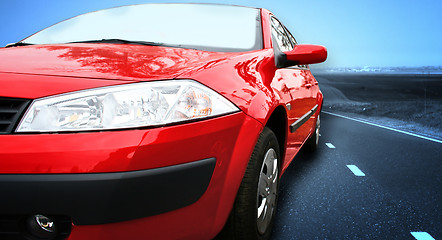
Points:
[(356, 33)]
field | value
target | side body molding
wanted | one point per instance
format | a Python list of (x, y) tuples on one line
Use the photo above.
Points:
[(303, 119)]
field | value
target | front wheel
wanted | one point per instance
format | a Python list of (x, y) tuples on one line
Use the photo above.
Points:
[(254, 209)]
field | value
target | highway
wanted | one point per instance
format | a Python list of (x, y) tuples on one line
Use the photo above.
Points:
[(396, 194)]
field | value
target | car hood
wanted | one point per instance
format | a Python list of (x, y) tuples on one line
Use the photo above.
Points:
[(106, 61)]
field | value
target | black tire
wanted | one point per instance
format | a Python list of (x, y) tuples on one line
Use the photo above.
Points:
[(251, 199), (313, 141)]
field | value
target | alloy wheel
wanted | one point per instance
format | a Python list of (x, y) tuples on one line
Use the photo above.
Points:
[(267, 190)]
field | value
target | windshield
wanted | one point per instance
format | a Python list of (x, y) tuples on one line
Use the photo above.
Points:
[(200, 26)]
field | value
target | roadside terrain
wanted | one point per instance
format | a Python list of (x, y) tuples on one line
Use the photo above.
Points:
[(408, 102)]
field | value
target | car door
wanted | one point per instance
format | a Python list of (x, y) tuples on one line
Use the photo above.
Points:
[(298, 90)]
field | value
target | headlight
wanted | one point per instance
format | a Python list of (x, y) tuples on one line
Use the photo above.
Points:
[(125, 106)]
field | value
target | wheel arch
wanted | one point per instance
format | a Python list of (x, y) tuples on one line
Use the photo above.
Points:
[(277, 122)]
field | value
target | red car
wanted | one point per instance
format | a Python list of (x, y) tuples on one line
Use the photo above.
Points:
[(155, 121)]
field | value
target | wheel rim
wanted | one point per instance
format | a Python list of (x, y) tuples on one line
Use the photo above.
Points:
[(318, 126), (267, 190)]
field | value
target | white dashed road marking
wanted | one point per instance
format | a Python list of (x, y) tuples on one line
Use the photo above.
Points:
[(356, 171), (422, 236), (330, 145)]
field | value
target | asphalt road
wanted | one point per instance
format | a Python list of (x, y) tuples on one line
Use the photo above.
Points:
[(321, 198)]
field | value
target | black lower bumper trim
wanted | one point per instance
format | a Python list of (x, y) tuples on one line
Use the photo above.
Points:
[(98, 198)]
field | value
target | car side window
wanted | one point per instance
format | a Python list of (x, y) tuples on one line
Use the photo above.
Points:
[(291, 37), (294, 43), (282, 38)]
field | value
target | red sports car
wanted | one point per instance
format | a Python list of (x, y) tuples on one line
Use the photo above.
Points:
[(155, 121)]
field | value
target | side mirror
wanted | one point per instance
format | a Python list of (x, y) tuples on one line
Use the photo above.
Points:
[(304, 54)]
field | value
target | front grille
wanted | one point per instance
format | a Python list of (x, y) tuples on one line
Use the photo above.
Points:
[(9, 227), (14, 227), (11, 109)]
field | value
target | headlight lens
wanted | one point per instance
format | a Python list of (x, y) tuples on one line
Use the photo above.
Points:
[(125, 106)]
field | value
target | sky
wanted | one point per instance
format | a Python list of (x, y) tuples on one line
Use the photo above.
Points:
[(374, 33)]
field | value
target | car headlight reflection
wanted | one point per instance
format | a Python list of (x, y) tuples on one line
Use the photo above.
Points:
[(125, 106)]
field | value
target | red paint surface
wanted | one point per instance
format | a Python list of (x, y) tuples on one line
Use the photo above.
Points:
[(250, 80), (307, 54)]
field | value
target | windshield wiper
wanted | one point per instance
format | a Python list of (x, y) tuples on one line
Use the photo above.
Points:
[(121, 41), (17, 44)]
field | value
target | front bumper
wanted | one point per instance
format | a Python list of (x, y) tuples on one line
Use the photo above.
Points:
[(99, 198), (124, 184)]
